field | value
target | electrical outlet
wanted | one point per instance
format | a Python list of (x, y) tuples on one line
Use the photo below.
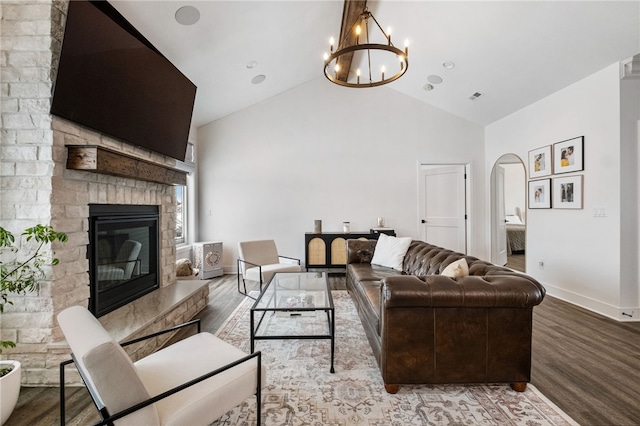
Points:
[(541, 263)]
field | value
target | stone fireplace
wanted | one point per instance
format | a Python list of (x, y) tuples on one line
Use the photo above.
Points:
[(37, 187)]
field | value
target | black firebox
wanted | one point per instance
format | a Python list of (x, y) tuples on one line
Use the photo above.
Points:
[(123, 254)]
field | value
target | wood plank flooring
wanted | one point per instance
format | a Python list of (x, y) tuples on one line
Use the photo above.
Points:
[(517, 262), (585, 363)]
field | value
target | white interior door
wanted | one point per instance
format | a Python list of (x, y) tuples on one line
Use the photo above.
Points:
[(500, 225), (443, 206)]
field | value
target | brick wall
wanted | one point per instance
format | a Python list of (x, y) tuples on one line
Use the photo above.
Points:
[(35, 186)]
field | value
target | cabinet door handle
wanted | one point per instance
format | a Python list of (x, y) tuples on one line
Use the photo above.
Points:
[(423, 221)]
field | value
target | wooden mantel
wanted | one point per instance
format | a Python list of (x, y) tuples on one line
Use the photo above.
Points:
[(98, 159)]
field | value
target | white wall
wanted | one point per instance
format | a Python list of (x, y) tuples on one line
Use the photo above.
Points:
[(581, 252), (320, 151)]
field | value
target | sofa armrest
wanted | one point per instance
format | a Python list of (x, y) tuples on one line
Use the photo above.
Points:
[(360, 251), (475, 329), (437, 291)]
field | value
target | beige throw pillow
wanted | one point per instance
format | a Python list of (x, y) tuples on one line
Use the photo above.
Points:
[(456, 269)]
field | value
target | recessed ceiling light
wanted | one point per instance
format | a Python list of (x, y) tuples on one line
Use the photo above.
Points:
[(449, 65), (187, 15), (428, 87), (252, 64), (435, 79), (258, 79)]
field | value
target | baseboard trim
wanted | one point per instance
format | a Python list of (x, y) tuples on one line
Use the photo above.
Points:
[(593, 305)]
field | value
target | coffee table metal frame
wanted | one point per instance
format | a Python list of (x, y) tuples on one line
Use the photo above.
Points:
[(271, 306)]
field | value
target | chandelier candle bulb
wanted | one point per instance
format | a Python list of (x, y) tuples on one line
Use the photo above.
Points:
[(358, 75), (383, 69), (350, 45), (331, 41)]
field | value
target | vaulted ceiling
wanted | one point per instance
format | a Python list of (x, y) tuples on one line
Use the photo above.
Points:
[(513, 53)]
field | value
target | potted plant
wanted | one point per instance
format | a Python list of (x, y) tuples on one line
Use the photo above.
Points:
[(20, 269)]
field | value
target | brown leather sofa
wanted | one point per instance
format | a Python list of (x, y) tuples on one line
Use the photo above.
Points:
[(426, 328)]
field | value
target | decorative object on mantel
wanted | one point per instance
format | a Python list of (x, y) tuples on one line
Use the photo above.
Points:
[(357, 45), (97, 159), (317, 226), (346, 227)]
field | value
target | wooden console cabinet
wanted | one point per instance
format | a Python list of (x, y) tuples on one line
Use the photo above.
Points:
[(328, 249)]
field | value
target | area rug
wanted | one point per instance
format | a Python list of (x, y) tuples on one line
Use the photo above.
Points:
[(301, 391)]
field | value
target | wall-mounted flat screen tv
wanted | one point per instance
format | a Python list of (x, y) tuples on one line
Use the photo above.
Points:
[(113, 80)]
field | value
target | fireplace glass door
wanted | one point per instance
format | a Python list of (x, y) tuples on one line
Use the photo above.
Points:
[(123, 255)]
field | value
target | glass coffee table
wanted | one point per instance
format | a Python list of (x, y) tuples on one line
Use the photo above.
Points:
[(294, 305)]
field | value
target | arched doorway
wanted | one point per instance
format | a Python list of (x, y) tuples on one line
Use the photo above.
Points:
[(508, 212)]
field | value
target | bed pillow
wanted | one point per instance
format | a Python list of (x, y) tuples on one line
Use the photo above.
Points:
[(513, 219), (456, 269), (390, 251)]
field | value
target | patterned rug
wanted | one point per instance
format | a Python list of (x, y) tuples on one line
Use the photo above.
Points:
[(301, 390)]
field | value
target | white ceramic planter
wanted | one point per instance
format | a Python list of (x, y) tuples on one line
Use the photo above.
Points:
[(10, 385)]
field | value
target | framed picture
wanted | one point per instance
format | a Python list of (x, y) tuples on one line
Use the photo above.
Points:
[(540, 162), (540, 194), (568, 156), (567, 192)]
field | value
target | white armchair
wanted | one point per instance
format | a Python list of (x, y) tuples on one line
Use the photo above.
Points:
[(191, 382), (259, 260)]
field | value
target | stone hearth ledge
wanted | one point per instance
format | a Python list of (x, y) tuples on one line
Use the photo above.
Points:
[(126, 322)]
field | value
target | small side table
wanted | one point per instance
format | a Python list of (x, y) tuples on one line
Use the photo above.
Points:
[(208, 258)]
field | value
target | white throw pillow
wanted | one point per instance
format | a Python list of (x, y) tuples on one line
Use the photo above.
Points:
[(456, 269), (390, 251), (512, 219)]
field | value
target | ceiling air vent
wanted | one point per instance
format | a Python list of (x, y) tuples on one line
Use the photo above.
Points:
[(475, 96)]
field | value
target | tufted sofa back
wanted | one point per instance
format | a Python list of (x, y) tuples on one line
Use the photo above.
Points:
[(426, 259)]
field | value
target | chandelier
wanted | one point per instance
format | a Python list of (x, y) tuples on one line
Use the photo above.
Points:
[(381, 61)]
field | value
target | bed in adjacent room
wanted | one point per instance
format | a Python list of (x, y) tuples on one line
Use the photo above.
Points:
[(516, 241)]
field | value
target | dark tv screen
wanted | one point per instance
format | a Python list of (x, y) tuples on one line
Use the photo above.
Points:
[(111, 79)]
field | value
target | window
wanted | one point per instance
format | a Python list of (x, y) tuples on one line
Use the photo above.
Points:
[(182, 197), (181, 214)]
